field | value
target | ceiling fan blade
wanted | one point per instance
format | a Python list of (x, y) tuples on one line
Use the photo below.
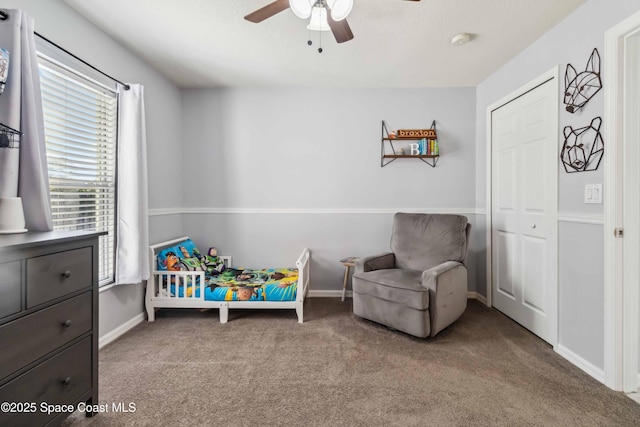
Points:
[(340, 29), (268, 11)]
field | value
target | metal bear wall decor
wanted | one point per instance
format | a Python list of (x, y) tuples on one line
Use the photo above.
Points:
[(583, 148), (581, 87)]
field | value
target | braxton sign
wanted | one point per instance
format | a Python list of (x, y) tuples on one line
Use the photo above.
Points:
[(416, 133)]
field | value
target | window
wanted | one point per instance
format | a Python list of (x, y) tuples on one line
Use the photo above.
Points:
[(80, 123)]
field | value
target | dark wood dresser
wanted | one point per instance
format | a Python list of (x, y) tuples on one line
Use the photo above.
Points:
[(48, 326)]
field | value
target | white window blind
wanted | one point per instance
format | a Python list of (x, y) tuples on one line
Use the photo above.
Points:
[(80, 121)]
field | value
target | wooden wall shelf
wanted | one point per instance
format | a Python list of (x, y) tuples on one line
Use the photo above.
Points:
[(403, 139), (408, 156), (430, 158)]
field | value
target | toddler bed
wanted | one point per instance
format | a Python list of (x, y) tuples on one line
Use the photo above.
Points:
[(183, 277)]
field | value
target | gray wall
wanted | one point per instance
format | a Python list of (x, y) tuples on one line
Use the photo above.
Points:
[(581, 270), (305, 163), (61, 24)]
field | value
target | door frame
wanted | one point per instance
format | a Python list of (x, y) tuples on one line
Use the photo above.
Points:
[(621, 279), (553, 76)]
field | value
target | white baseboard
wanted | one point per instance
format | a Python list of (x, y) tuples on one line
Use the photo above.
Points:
[(474, 295), (322, 293), (581, 363), (120, 330), (634, 396)]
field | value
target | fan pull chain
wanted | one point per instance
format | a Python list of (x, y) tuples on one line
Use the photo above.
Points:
[(309, 42)]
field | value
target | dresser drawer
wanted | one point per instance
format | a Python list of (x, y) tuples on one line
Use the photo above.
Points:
[(60, 380), (55, 275), (9, 288), (26, 339)]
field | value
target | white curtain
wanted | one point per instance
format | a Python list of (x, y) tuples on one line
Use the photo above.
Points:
[(132, 264), (24, 172)]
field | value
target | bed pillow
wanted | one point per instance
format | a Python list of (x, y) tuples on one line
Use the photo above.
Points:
[(183, 256)]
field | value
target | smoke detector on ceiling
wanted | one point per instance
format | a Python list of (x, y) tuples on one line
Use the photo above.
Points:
[(460, 39)]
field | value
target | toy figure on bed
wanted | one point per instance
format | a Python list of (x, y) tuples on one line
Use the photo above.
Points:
[(210, 263), (172, 262)]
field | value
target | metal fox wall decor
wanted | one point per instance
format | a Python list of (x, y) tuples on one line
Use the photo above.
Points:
[(581, 87), (583, 147)]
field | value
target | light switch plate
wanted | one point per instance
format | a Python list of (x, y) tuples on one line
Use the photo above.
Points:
[(593, 193)]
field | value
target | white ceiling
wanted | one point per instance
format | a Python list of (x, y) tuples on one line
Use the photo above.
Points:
[(207, 43)]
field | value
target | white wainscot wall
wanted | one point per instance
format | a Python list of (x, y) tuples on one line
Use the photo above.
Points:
[(581, 292)]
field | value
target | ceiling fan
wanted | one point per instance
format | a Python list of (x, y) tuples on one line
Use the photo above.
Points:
[(324, 15)]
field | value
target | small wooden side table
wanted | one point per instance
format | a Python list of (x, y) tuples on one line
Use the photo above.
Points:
[(348, 263)]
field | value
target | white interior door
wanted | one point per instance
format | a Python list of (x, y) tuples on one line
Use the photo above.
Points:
[(631, 205), (622, 205), (524, 206)]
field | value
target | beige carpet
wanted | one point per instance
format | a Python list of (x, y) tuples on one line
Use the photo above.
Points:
[(263, 368)]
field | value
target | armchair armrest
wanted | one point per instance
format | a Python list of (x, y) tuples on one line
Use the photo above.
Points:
[(447, 284), (430, 277), (376, 262)]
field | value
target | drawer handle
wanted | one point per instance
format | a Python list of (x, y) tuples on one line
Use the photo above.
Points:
[(67, 324), (66, 381), (66, 274)]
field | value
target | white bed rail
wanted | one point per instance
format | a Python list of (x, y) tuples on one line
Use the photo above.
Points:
[(302, 264), (185, 283), (171, 288)]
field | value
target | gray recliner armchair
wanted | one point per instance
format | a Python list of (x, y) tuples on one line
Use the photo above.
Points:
[(421, 286)]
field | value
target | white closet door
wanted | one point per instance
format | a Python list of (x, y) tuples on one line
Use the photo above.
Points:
[(524, 207)]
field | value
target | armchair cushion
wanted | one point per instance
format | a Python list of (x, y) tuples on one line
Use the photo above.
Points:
[(400, 286), (421, 241)]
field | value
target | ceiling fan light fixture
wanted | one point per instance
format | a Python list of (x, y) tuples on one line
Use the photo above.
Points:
[(340, 9), (301, 8), (318, 21)]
